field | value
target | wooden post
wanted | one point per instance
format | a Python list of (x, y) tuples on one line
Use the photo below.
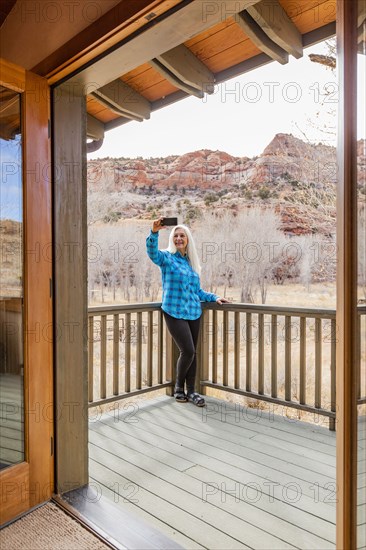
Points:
[(202, 352), (70, 226), (346, 349)]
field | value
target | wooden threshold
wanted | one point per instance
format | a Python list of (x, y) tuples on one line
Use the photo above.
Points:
[(117, 528)]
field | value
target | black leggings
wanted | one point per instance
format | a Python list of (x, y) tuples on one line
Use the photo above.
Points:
[(185, 335)]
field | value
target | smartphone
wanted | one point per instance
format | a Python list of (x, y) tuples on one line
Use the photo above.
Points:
[(169, 221)]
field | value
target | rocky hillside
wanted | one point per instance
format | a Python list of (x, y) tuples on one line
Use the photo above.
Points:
[(296, 178)]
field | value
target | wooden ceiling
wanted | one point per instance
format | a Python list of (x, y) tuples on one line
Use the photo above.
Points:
[(265, 31), (142, 55)]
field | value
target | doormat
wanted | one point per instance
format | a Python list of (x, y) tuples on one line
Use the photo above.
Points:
[(48, 528)]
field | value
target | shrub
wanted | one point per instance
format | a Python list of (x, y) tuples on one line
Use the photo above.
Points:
[(264, 193), (210, 198)]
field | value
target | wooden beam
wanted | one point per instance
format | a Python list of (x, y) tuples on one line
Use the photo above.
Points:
[(347, 273), (165, 33), (173, 79), (188, 68), (260, 38), (276, 24), (94, 128), (123, 100), (71, 300), (103, 33)]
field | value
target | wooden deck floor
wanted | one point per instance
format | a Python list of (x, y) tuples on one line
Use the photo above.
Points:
[(219, 477), (11, 420)]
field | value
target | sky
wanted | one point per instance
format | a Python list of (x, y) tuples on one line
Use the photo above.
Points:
[(240, 118), (11, 179)]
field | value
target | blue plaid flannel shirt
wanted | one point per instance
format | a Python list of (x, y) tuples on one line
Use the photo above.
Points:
[(182, 293)]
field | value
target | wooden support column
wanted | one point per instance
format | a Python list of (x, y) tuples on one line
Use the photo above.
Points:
[(346, 351), (70, 228)]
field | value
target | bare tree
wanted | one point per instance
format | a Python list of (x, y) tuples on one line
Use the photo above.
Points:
[(242, 250)]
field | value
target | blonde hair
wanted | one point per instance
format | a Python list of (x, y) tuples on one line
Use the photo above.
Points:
[(191, 247)]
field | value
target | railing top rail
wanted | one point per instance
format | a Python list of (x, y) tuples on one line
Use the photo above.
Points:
[(247, 308), (124, 308), (276, 310)]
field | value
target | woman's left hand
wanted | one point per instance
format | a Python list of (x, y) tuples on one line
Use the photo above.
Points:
[(222, 301)]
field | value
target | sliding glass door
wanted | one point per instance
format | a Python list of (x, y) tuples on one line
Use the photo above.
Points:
[(26, 331)]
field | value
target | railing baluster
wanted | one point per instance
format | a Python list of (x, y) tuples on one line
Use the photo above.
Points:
[(139, 351), (160, 347), (91, 359), (288, 358), (260, 353), (302, 360), (128, 333), (274, 356), (103, 357), (237, 350), (225, 351), (318, 362), (150, 327), (248, 373), (116, 354), (333, 341), (214, 346)]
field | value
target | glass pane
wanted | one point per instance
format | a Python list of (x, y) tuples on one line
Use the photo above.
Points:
[(11, 282), (361, 185)]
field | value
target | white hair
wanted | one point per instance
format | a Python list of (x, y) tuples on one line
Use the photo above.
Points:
[(191, 247)]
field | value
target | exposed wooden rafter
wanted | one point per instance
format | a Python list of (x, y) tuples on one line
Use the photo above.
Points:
[(174, 79), (123, 100), (94, 128), (274, 21), (188, 69), (260, 38)]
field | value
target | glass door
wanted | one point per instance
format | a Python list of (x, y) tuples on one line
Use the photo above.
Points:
[(26, 383), (11, 282)]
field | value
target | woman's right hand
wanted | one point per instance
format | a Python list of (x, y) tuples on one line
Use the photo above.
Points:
[(157, 225)]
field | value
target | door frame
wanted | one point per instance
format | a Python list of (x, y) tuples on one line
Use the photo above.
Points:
[(29, 483)]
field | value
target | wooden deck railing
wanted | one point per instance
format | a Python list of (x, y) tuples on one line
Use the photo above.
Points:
[(281, 355)]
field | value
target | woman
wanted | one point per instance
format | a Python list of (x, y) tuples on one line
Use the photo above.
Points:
[(181, 301)]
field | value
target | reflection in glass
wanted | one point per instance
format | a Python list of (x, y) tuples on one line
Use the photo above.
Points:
[(361, 186), (11, 282)]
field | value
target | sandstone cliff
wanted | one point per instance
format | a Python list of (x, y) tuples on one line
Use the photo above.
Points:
[(296, 178)]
